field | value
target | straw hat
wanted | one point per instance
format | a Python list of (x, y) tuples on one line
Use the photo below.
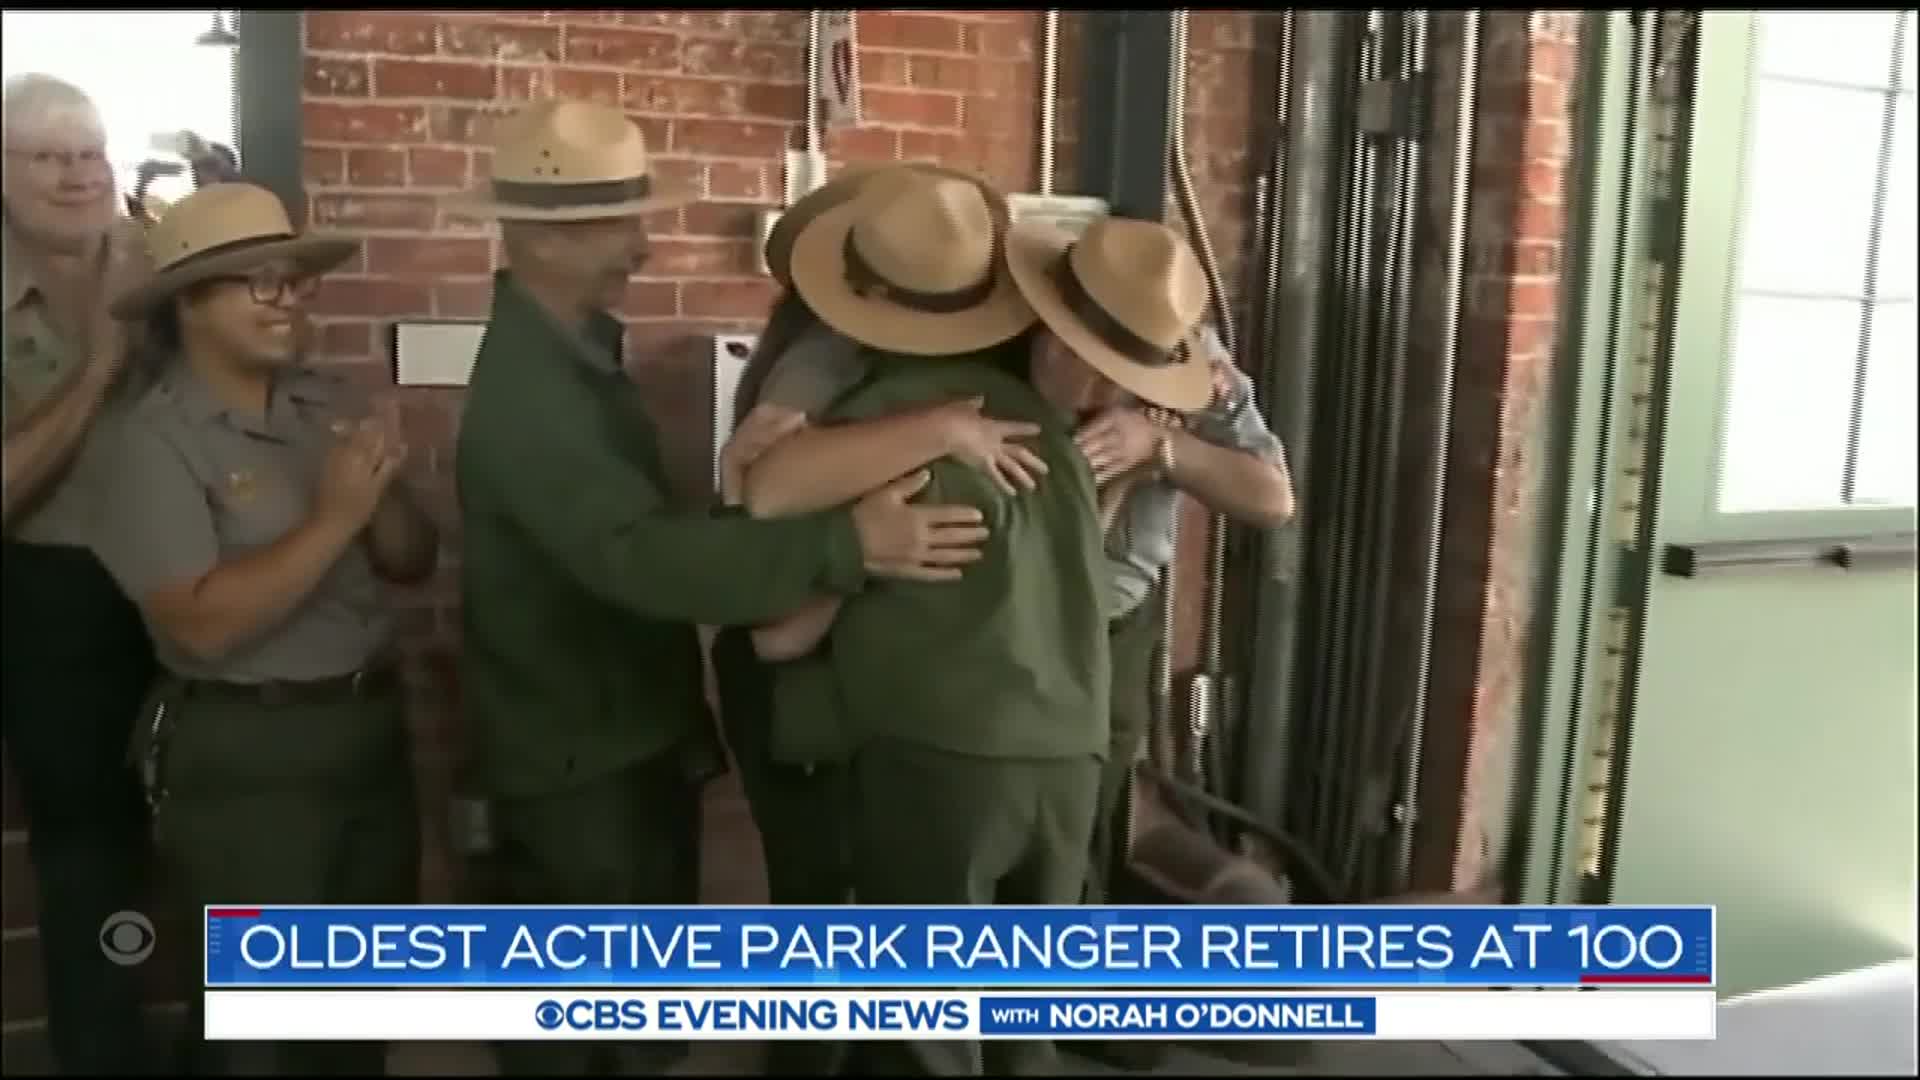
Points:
[(910, 265), (1127, 297), (224, 230), (851, 180), (568, 161)]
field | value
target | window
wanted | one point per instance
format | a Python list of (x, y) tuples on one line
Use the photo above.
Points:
[(144, 69), (1821, 410)]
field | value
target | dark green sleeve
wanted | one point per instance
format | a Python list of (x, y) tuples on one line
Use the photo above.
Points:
[(600, 517)]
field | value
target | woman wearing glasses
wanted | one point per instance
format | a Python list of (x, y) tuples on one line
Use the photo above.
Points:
[(253, 512)]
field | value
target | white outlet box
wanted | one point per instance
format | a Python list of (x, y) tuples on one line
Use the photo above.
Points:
[(763, 229), (1070, 212), (730, 354), (435, 353), (806, 170)]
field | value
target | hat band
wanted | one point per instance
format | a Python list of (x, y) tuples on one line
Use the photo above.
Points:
[(871, 284), (567, 196), (228, 248), (1101, 324)]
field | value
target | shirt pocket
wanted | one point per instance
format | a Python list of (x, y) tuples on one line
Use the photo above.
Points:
[(255, 503)]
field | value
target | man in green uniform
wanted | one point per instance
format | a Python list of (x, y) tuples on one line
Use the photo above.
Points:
[(580, 584), (252, 513)]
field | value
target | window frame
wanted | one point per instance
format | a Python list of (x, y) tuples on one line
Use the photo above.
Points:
[(1708, 301)]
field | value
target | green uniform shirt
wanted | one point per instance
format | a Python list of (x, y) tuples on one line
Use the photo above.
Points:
[(191, 484), (579, 584), (1011, 661)]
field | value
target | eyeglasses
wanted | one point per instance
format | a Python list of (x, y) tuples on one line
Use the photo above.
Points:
[(273, 287)]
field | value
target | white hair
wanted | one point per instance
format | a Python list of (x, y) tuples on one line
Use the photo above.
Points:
[(37, 102)]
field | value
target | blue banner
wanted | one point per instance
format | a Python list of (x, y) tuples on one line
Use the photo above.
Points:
[(964, 947)]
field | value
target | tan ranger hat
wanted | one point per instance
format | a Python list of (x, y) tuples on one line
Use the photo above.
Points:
[(1127, 296), (224, 230), (568, 161), (850, 181), (911, 265)]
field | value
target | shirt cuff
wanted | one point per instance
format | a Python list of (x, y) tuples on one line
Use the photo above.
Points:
[(846, 571)]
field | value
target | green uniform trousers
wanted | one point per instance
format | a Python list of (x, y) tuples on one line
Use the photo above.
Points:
[(800, 812), (290, 803), (1133, 638), (933, 827), (77, 665), (629, 837)]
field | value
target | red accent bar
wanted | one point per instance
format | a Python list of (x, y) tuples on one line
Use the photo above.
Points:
[(1645, 980), (233, 913)]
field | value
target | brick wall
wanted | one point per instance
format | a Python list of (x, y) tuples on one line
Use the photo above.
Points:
[(1489, 567)]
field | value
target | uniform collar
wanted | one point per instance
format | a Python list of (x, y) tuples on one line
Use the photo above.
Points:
[(597, 345), (17, 277), (290, 389)]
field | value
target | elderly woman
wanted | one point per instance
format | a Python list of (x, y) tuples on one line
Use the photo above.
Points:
[(77, 660)]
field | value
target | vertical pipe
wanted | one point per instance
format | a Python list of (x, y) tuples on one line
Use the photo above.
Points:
[(1312, 82), (1463, 150), (1049, 80), (813, 86)]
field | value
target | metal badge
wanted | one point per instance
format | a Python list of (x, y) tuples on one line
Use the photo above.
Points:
[(242, 486)]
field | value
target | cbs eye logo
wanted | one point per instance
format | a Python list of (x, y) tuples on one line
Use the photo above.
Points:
[(126, 938), (548, 1014)]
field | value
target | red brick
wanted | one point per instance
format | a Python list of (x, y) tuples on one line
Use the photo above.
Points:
[(1530, 335), (884, 67), (637, 50), (1536, 258), (568, 84), (739, 299), (505, 42), (732, 180), (960, 74), (940, 147), (677, 258), (684, 97), (376, 167), (353, 211), (1006, 40), (408, 34), (788, 103), (336, 122), (371, 297), (1540, 221), (462, 299), (457, 80), (910, 30), (678, 174), (431, 166), (691, 22), (1543, 180), (334, 76), (344, 340), (1535, 298), (462, 124), (323, 166), (649, 299), (427, 257), (729, 220), (729, 138), (783, 26), (863, 143), (1547, 139), (732, 58)]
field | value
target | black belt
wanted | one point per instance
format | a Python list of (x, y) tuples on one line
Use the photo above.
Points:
[(360, 685)]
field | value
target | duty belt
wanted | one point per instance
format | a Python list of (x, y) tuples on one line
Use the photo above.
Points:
[(355, 686)]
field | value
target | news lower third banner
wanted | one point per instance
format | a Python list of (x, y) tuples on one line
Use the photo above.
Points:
[(973, 948), (802, 1014)]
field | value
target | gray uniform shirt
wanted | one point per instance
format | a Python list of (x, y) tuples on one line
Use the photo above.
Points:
[(37, 361), (822, 365), (194, 484)]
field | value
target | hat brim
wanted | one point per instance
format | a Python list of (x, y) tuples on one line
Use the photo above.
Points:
[(819, 274), (479, 204), (312, 254), (1032, 250), (849, 184)]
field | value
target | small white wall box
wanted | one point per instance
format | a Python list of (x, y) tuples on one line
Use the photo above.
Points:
[(435, 352), (730, 353), (1070, 212)]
